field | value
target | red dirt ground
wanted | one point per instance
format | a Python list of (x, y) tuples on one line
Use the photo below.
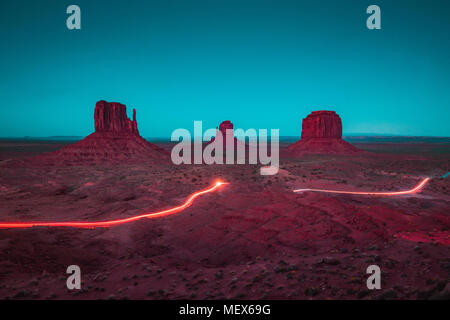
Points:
[(253, 239)]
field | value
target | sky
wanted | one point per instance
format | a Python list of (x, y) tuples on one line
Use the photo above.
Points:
[(261, 64)]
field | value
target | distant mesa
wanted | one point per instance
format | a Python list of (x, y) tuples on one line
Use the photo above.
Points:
[(322, 134), (116, 138)]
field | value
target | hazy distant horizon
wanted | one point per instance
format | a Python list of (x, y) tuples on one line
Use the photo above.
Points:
[(281, 138)]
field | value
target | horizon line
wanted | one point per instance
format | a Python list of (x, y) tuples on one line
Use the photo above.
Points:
[(285, 136)]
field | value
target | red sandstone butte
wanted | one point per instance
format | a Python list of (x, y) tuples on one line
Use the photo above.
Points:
[(112, 117), (322, 124), (116, 138), (322, 134)]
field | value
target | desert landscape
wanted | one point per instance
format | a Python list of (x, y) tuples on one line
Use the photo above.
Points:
[(253, 238)]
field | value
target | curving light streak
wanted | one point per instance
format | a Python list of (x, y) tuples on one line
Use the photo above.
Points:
[(397, 193), (110, 223)]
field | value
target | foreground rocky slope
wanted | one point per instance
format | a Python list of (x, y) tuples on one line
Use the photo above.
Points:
[(253, 239)]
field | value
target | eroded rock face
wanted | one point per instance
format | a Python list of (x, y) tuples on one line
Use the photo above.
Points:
[(112, 117), (322, 124), (321, 134), (116, 139)]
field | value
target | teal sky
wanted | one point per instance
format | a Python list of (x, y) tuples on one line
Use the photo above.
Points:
[(260, 64)]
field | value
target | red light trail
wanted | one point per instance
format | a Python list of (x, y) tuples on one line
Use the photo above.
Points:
[(186, 204), (397, 193), (110, 223)]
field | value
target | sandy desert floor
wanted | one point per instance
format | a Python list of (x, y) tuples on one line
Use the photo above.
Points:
[(252, 239)]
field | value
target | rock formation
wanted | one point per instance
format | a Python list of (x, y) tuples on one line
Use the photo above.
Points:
[(223, 128), (322, 134), (112, 117), (322, 124), (116, 139), (226, 128), (226, 125)]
